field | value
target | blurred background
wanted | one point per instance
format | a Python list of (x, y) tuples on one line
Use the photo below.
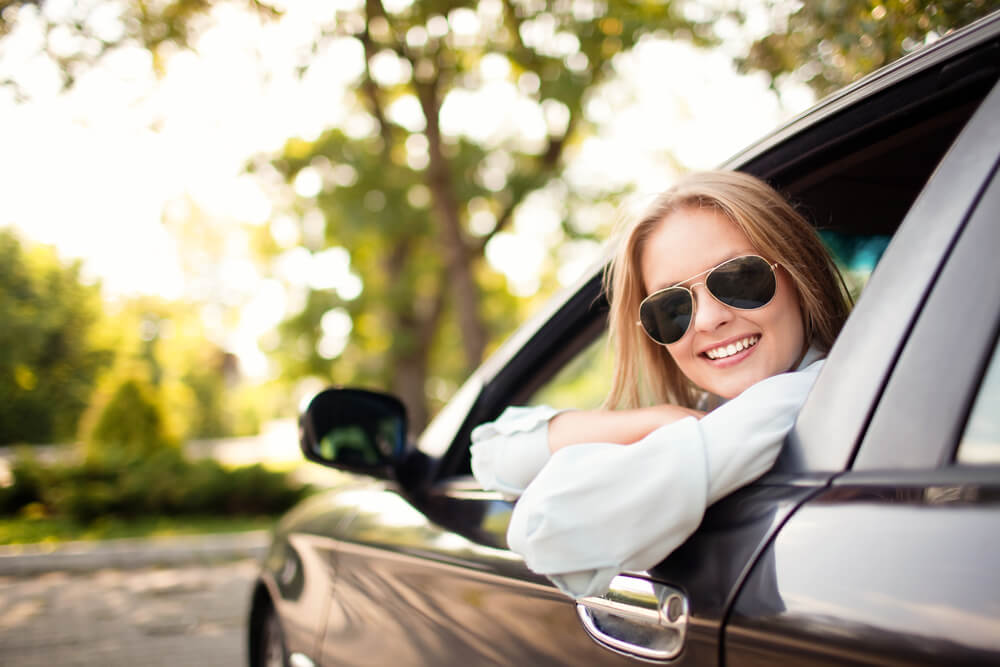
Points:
[(209, 210)]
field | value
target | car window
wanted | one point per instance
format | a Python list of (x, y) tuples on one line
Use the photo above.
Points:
[(980, 442), (856, 256), (582, 383)]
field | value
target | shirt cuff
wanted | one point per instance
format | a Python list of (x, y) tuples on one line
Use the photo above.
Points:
[(508, 453)]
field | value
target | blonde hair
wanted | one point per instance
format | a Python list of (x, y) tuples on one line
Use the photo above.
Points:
[(644, 371)]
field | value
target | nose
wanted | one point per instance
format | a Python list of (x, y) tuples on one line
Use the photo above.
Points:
[(709, 314)]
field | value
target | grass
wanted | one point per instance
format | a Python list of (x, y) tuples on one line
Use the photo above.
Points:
[(28, 530)]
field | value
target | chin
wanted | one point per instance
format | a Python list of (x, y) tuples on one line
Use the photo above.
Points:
[(731, 387)]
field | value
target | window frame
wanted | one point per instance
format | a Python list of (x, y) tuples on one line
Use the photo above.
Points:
[(918, 422), (833, 421)]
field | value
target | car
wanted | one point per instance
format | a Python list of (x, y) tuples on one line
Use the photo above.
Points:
[(874, 538)]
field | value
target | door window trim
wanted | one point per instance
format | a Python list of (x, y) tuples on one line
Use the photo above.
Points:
[(925, 406)]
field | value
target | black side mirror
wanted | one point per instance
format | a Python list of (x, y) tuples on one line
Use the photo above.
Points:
[(355, 430)]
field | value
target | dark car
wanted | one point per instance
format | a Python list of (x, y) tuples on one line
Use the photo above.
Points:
[(876, 537)]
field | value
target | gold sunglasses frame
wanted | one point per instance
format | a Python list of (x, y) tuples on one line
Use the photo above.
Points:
[(694, 301)]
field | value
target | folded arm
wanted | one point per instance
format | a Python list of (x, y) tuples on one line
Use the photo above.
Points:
[(509, 452), (622, 427)]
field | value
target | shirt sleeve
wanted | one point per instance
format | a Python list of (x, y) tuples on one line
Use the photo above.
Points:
[(509, 452), (597, 509)]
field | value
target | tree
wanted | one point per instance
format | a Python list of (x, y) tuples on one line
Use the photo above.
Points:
[(49, 358), (132, 423), (78, 35), (422, 268), (831, 44), (401, 197), (162, 347)]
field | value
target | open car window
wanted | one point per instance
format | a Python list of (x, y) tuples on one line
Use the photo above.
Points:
[(980, 443), (582, 383)]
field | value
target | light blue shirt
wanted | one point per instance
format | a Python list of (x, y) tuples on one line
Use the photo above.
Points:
[(591, 511)]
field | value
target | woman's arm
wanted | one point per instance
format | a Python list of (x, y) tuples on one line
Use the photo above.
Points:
[(621, 427), (509, 452)]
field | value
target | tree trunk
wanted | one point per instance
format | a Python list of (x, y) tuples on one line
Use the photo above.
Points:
[(408, 380), (464, 289)]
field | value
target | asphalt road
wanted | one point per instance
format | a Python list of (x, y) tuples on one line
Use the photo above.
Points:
[(187, 615)]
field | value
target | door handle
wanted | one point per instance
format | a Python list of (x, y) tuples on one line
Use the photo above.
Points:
[(637, 617)]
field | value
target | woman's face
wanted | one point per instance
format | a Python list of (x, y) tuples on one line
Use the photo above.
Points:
[(690, 241)]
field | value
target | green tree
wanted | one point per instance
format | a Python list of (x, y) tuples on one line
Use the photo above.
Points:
[(49, 358), (132, 423), (401, 198), (164, 345), (79, 34), (832, 43)]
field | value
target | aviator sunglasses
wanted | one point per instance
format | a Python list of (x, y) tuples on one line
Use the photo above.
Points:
[(744, 283)]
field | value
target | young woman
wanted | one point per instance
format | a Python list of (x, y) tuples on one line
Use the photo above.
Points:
[(722, 292)]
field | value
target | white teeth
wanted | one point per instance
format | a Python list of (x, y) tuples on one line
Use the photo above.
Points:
[(731, 349)]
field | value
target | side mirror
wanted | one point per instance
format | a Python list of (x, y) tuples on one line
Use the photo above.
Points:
[(354, 430)]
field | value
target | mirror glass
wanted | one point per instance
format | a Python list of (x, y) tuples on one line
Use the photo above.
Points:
[(354, 428)]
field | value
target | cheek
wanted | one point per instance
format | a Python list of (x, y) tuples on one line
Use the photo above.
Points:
[(681, 352), (787, 324)]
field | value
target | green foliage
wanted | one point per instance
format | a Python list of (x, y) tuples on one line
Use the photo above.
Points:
[(124, 484), (28, 529), (49, 358), (582, 383), (165, 346), (132, 422), (832, 43), (160, 27), (401, 198)]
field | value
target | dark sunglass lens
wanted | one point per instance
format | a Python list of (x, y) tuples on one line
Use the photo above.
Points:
[(745, 283), (666, 315)]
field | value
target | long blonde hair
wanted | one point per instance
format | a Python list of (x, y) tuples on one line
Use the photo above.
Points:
[(644, 371)]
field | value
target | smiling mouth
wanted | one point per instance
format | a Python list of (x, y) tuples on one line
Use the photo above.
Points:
[(736, 347)]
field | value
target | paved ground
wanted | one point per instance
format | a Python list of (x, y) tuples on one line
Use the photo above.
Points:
[(191, 614), (163, 601), (19, 560)]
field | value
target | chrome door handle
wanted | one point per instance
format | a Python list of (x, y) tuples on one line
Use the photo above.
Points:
[(637, 617)]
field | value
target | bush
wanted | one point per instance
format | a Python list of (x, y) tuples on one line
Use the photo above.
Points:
[(131, 424), (29, 478), (162, 483)]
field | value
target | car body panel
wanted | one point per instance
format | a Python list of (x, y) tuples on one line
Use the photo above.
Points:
[(411, 591), (877, 574), (300, 567)]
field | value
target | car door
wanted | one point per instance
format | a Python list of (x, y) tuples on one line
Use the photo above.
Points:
[(895, 561)]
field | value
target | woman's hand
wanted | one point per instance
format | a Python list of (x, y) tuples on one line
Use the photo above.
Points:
[(622, 427)]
